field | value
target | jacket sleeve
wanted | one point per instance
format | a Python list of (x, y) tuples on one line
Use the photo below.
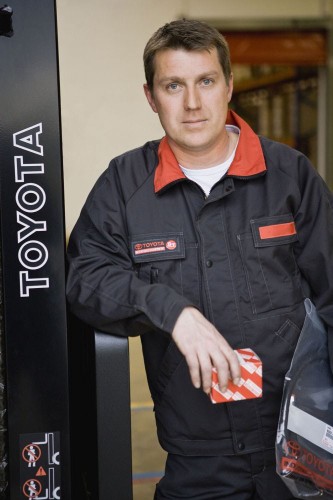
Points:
[(314, 252), (103, 289)]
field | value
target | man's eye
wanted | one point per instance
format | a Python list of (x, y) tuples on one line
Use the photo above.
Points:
[(173, 86), (207, 81)]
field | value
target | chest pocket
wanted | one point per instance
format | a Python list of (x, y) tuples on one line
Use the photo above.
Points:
[(270, 269), (166, 258)]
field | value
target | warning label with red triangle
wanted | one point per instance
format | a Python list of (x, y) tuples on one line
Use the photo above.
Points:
[(41, 472)]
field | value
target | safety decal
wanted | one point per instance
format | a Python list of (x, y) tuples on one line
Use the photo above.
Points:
[(40, 466)]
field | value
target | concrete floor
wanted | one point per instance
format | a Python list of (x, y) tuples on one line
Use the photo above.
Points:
[(147, 455)]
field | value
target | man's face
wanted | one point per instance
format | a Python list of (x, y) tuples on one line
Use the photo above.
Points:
[(191, 98)]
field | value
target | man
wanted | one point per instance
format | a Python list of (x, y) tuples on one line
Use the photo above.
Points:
[(205, 242)]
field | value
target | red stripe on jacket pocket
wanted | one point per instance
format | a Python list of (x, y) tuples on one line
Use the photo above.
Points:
[(277, 230)]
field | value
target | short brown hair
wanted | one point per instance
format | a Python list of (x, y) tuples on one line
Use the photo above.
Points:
[(189, 35)]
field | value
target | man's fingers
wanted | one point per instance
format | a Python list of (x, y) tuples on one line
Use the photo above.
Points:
[(204, 347), (194, 369), (200, 366), (234, 366), (233, 362), (205, 371), (221, 364)]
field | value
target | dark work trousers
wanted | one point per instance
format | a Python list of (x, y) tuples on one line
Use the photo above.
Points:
[(240, 477)]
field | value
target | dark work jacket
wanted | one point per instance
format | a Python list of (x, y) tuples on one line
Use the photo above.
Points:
[(149, 243)]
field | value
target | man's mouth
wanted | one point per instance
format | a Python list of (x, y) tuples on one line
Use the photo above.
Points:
[(193, 122)]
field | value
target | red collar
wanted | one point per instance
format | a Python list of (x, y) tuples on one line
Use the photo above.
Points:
[(249, 158)]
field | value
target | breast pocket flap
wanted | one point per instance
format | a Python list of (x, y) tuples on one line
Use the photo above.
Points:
[(274, 230)]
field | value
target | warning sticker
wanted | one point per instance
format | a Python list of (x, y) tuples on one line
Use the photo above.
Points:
[(40, 466)]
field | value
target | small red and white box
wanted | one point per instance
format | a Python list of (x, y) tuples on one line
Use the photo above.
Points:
[(250, 384)]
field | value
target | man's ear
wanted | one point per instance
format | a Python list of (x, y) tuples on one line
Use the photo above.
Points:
[(150, 97)]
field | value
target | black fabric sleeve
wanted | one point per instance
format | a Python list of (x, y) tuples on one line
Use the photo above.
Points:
[(103, 289)]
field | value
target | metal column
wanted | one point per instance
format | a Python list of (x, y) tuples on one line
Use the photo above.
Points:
[(32, 230)]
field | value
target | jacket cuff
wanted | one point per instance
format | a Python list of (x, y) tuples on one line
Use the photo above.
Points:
[(174, 313)]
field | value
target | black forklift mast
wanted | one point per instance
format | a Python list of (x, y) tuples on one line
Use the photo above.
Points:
[(64, 389)]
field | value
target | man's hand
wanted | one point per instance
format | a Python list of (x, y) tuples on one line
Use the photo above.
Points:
[(204, 348)]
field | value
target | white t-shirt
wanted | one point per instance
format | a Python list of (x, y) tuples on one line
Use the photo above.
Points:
[(207, 177)]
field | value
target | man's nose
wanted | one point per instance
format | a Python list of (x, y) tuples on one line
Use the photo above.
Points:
[(192, 98)]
